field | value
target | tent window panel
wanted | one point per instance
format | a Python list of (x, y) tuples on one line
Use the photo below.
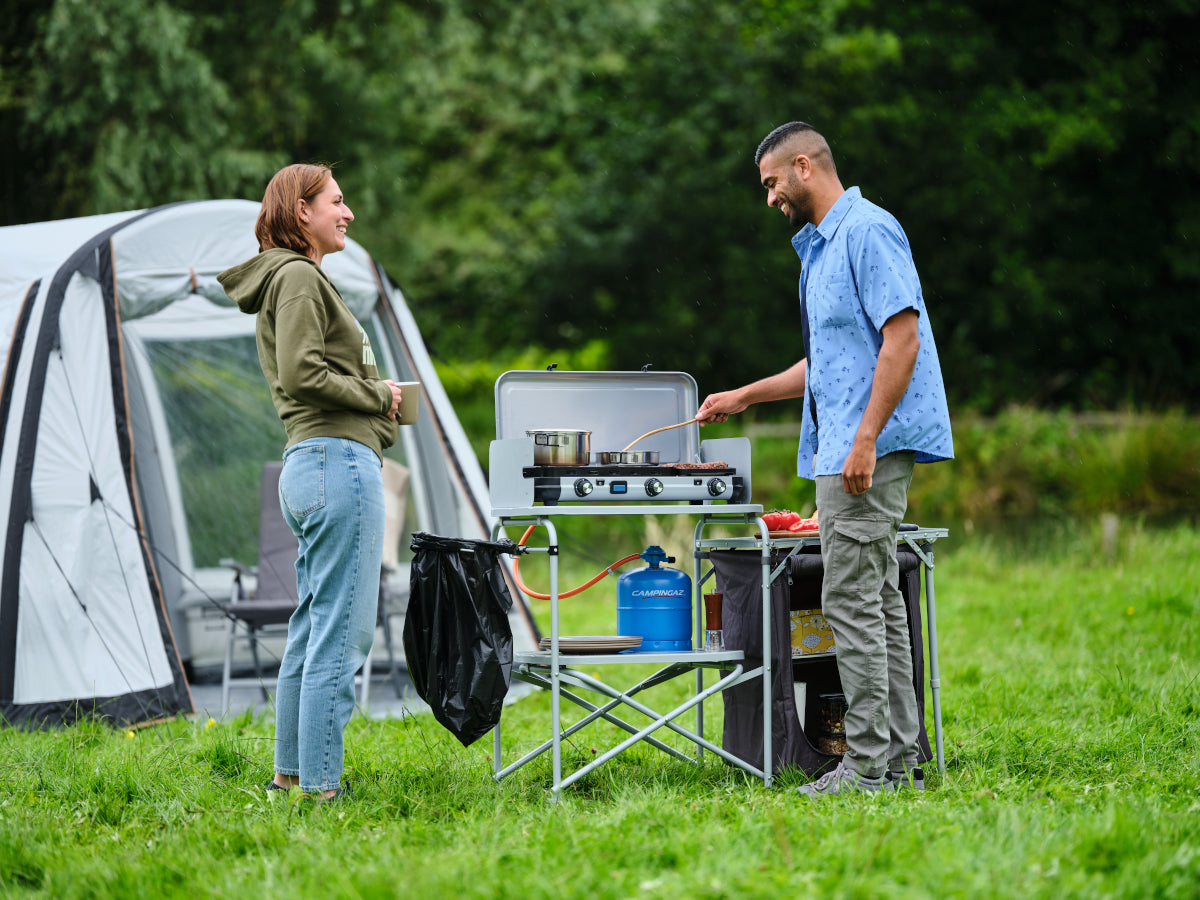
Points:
[(442, 504), (223, 427), (387, 362), (390, 364)]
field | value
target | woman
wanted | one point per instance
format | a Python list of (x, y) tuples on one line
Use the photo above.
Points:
[(339, 416)]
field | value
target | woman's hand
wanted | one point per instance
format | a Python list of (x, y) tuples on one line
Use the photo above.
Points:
[(394, 412)]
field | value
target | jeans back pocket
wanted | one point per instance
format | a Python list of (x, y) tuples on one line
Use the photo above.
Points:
[(302, 482)]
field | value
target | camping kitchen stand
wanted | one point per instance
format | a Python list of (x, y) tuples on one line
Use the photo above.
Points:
[(615, 407), (552, 669), (917, 539)]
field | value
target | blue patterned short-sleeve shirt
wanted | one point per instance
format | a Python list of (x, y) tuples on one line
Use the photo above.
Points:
[(857, 272)]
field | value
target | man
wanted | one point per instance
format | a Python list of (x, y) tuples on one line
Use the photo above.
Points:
[(874, 405)]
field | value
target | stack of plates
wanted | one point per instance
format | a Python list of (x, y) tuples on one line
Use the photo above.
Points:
[(592, 643)]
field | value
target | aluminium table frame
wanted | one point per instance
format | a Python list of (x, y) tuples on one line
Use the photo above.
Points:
[(551, 669)]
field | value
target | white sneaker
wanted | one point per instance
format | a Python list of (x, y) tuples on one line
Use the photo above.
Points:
[(842, 781)]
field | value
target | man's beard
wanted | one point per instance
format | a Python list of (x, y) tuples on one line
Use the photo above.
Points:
[(798, 201)]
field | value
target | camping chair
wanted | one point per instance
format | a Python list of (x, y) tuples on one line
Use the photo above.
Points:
[(251, 618)]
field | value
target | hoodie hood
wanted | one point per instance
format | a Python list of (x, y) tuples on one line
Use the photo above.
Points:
[(245, 283)]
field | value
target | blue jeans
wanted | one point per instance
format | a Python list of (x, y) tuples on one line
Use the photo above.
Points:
[(331, 494)]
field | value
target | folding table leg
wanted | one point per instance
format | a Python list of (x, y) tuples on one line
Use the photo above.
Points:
[(661, 720), (595, 713), (496, 752), (935, 679)]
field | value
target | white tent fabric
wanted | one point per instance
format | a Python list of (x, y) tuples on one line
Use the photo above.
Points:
[(133, 426)]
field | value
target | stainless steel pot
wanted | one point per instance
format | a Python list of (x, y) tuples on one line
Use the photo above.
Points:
[(560, 446), (629, 457)]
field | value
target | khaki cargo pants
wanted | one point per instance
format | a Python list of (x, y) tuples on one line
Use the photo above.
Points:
[(861, 601)]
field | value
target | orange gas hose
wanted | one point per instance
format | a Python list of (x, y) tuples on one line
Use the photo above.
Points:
[(561, 595)]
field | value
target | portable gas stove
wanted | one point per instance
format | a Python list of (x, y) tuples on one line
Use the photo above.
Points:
[(615, 407)]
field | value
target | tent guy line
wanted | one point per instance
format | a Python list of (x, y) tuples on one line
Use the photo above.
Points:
[(83, 606)]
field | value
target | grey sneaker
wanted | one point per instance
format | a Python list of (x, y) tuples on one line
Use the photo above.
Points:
[(912, 779), (842, 781)]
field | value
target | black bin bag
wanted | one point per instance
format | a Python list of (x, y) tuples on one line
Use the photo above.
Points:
[(457, 639)]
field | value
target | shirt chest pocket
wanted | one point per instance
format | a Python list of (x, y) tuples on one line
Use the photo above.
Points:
[(833, 300)]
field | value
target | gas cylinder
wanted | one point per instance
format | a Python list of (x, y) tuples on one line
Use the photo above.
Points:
[(655, 603)]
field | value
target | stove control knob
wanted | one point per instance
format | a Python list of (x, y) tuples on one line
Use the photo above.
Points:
[(716, 486), (583, 487), (654, 487)]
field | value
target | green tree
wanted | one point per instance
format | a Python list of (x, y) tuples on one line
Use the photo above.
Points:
[(23, 197), (560, 172), (1046, 165), (127, 111)]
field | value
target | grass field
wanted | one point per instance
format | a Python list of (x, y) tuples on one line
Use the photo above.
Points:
[(1071, 698)]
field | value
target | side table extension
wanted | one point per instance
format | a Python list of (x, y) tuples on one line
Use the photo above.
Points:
[(796, 575)]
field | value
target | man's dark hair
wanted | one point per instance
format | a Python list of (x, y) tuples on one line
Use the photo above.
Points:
[(778, 136)]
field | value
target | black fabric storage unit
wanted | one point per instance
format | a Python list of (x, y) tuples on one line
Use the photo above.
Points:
[(738, 576)]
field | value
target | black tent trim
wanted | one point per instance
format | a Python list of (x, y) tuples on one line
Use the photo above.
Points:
[(139, 706), (94, 256), (14, 354)]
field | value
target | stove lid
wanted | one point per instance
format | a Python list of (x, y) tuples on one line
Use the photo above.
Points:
[(615, 407)]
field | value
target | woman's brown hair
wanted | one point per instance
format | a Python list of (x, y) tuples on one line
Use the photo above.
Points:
[(278, 222)]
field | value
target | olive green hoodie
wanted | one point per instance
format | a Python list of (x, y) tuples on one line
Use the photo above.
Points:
[(316, 357)]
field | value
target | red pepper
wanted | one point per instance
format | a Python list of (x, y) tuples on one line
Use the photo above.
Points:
[(786, 520)]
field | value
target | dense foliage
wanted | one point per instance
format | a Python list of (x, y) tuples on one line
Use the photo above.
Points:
[(555, 172)]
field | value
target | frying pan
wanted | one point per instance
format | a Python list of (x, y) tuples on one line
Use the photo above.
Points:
[(637, 457), (629, 457)]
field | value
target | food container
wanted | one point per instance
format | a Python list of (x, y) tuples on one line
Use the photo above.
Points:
[(810, 632), (560, 446), (714, 634), (831, 724)]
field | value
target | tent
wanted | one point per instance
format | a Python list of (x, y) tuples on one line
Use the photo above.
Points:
[(134, 423)]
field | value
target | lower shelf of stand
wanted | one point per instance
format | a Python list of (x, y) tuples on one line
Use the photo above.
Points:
[(813, 657)]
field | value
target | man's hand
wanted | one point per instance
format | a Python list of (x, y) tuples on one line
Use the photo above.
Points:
[(783, 386), (859, 467), (719, 407)]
